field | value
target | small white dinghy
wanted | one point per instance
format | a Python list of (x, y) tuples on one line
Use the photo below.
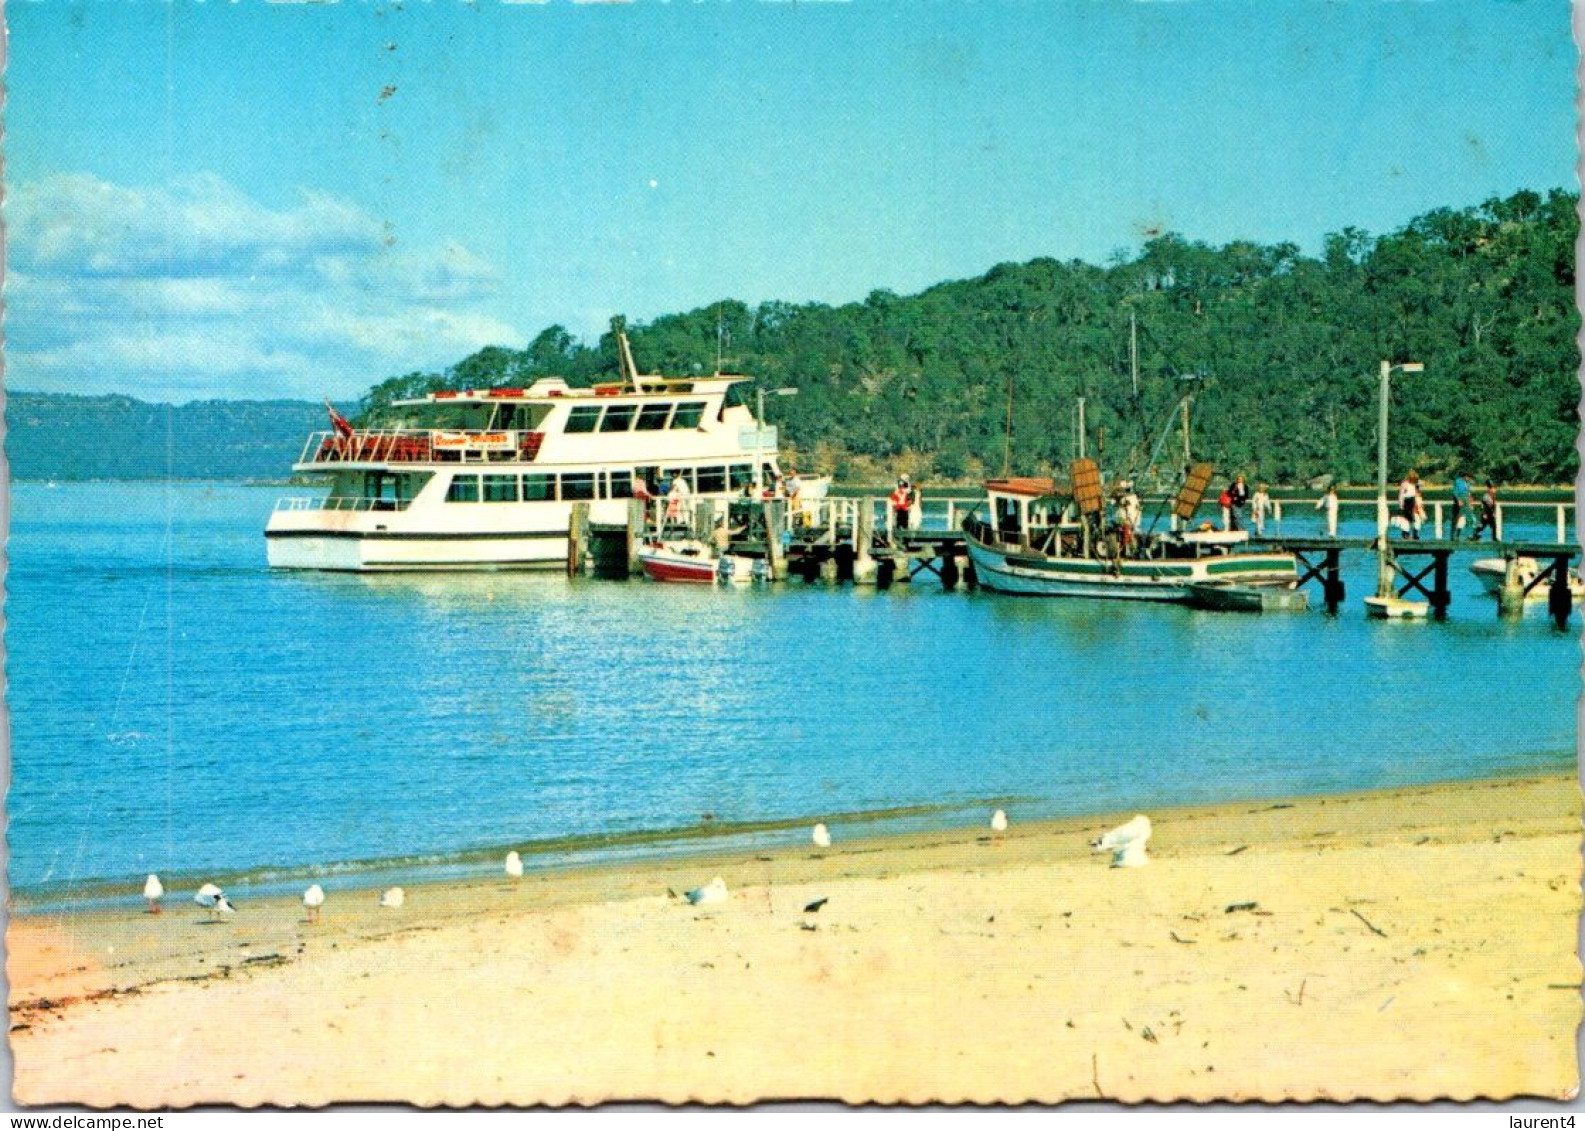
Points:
[(1397, 608)]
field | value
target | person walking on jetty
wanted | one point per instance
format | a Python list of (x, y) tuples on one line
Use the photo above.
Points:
[(1409, 504), (1488, 514), (1461, 503), (902, 503), (1328, 504), (1237, 500), (1259, 507)]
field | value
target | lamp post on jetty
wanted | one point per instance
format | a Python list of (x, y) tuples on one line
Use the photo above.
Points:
[(1383, 554), (759, 434)]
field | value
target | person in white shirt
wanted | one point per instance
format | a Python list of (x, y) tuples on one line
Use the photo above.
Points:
[(1328, 503), (1259, 505)]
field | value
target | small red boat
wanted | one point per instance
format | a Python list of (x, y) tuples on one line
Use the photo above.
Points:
[(687, 561)]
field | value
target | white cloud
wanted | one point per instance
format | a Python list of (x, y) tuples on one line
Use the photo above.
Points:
[(196, 286)]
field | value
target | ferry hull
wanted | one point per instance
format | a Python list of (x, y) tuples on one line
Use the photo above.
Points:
[(1035, 575), (365, 554)]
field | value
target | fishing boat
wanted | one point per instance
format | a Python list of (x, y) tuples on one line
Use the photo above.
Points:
[(487, 478), (1493, 572), (1043, 538)]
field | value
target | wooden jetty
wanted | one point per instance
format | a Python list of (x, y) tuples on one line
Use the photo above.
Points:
[(857, 540)]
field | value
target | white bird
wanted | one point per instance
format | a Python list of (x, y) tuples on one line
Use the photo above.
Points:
[(153, 890), (712, 892), (514, 865), (314, 899), (393, 897), (998, 822), (1126, 843), (822, 836), (214, 900)]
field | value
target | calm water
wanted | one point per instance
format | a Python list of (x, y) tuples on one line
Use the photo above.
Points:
[(176, 707)]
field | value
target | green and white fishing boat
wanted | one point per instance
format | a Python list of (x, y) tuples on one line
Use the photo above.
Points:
[(1043, 538)]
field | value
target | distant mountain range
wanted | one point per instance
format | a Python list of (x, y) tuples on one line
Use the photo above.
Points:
[(65, 437)]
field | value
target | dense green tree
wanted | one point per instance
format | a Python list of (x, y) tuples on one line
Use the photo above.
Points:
[(1280, 349)]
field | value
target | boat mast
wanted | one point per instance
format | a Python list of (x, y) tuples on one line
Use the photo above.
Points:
[(1133, 351)]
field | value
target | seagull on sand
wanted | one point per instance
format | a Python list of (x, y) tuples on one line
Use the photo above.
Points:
[(214, 901), (393, 897), (314, 899), (822, 837), (712, 892), (514, 865), (153, 890), (999, 821), (1126, 843)]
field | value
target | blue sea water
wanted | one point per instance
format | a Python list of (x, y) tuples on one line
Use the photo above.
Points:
[(177, 707)]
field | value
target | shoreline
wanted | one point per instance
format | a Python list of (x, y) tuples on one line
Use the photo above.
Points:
[(1467, 861), (639, 847)]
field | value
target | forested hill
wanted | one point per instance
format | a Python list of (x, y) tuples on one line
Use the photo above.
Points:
[(1288, 346), (60, 436)]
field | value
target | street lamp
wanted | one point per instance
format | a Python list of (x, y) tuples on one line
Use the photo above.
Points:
[(759, 434), (1381, 439)]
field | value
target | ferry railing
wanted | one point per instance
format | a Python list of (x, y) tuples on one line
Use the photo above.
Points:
[(342, 503), (408, 445)]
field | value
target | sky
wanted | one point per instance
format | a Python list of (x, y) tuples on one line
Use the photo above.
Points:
[(254, 199)]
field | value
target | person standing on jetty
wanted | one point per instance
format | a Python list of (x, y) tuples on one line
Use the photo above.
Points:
[(1409, 504), (1237, 500), (1460, 504), (1488, 514), (1328, 503), (902, 503), (1259, 506)]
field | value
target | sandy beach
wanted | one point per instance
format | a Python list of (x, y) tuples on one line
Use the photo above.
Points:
[(1414, 943)]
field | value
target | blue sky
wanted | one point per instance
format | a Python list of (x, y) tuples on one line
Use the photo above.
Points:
[(261, 199)]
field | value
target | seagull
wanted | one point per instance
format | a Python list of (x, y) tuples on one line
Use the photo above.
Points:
[(314, 899), (1126, 843), (214, 900), (999, 821), (393, 897), (712, 892), (822, 837), (514, 865), (152, 891)]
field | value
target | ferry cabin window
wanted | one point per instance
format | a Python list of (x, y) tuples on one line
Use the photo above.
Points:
[(584, 418), (653, 417), (742, 475), (685, 472), (621, 484), (712, 480), (688, 415), (619, 417), (577, 485), (538, 488), (463, 489), (500, 488)]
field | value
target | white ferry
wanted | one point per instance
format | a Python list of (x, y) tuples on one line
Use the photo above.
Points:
[(486, 478)]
